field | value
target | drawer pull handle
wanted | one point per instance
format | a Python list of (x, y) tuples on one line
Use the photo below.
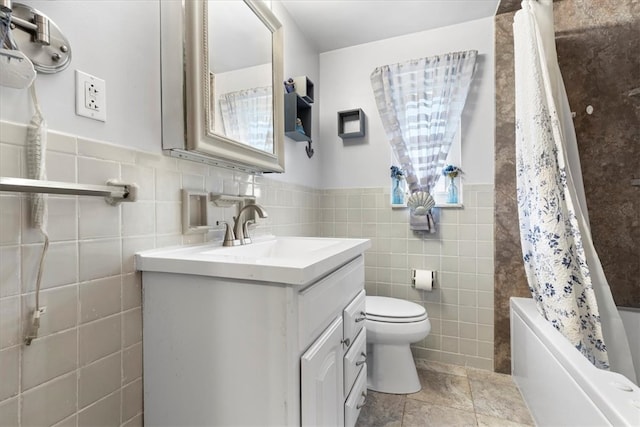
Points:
[(346, 342), (363, 317), (364, 399), (363, 354)]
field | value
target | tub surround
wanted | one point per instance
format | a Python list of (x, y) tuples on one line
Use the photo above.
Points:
[(594, 43)]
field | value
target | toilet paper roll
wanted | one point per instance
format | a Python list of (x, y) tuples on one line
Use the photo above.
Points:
[(423, 279)]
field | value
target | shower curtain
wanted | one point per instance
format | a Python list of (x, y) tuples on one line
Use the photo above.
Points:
[(563, 270)]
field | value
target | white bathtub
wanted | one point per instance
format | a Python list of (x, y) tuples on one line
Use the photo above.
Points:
[(560, 386)]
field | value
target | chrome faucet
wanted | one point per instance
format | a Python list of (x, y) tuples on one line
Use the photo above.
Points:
[(241, 229)]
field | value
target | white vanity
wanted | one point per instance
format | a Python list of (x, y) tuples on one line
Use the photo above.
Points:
[(270, 333)]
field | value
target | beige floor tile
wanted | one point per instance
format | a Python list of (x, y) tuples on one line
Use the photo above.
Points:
[(382, 410), (500, 400), (481, 374), (487, 421), (444, 390), (445, 368), (420, 414)]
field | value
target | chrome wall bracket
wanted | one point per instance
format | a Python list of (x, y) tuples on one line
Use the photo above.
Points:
[(38, 38)]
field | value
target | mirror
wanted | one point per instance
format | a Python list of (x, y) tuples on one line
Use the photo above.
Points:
[(231, 97)]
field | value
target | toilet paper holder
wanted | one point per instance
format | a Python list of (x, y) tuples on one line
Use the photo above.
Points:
[(414, 274)]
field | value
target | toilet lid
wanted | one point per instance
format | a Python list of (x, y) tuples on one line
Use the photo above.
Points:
[(394, 310)]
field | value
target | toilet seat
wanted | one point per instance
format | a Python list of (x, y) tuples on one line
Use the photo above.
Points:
[(393, 310)]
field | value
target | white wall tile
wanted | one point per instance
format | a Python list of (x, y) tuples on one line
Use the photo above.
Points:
[(9, 412), (131, 291), (99, 258), (143, 177), (168, 185), (99, 379), (61, 142), (105, 412), (9, 372), (132, 400), (61, 167), (61, 305), (98, 172), (168, 218), (131, 245), (138, 219), (50, 403), (10, 212), (131, 327), (100, 298), (97, 219), (98, 150), (132, 363), (49, 357), (60, 265), (9, 270), (12, 161), (10, 322), (99, 339)]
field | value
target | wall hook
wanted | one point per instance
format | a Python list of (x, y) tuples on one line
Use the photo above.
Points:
[(309, 150)]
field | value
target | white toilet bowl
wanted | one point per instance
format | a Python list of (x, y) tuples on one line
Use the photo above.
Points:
[(392, 325)]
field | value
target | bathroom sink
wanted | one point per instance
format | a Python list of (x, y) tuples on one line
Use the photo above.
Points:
[(290, 260)]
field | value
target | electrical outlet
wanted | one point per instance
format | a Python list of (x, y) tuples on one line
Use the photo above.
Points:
[(91, 97)]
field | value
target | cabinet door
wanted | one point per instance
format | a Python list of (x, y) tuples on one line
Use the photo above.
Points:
[(322, 379)]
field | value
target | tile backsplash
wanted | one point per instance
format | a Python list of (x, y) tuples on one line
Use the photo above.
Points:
[(460, 306), (86, 366)]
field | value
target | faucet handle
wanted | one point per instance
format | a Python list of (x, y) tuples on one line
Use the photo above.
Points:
[(229, 237), (245, 231)]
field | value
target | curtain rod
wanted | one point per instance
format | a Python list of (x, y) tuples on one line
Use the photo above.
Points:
[(114, 192)]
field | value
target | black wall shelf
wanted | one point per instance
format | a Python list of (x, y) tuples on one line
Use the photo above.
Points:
[(296, 107), (354, 121)]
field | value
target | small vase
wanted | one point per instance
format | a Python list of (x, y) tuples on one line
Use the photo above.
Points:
[(452, 192), (397, 191)]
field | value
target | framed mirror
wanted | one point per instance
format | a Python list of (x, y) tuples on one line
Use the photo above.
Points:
[(222, 100)]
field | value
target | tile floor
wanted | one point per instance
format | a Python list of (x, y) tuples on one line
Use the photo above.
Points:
[(450, 396)]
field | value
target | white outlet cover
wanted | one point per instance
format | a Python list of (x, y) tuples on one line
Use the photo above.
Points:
[(98, 97)]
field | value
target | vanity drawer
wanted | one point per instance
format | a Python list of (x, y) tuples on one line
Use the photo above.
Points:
[(354, 360), (354, 316), (355, 401), (325, 300)]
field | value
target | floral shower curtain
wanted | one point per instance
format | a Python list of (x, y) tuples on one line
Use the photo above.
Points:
[(247, 116), (563, 270), (420, 104)]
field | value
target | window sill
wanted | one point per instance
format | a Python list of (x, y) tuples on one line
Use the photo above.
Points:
[(438, 205)]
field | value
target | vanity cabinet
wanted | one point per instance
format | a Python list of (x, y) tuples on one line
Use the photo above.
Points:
[(225, 352)]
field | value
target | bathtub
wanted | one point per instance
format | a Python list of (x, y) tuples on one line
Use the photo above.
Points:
[(560, 386)]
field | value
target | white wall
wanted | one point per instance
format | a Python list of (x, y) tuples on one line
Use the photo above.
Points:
[(365, 162), (300, 59), (118, 41)]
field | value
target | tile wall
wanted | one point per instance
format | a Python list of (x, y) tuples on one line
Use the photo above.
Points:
[(86, 366), (461, 305)]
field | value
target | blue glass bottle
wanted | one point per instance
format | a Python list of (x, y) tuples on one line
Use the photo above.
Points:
[(452, 192)]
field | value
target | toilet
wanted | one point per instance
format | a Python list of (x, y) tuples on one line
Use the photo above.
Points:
[(392, 325)]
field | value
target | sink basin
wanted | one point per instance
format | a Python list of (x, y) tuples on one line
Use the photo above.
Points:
[(283, 247), (289, 260)]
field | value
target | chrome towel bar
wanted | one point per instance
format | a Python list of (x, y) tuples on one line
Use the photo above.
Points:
[(114, 192)]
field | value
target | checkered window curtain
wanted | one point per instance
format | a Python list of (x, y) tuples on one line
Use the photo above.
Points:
[(246, 116), (420, 103)]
